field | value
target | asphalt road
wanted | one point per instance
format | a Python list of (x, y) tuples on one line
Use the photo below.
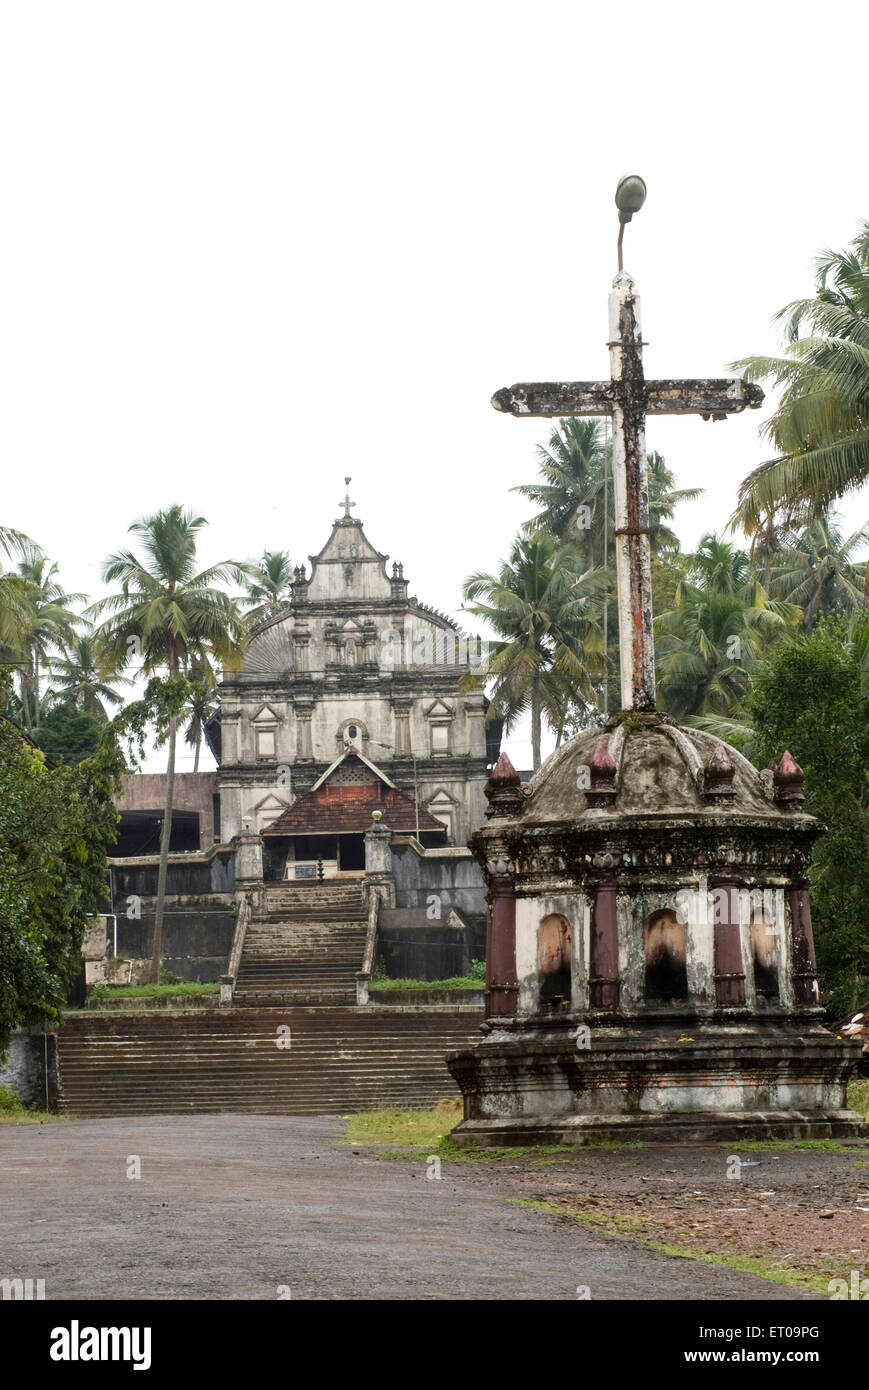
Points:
[(263, 1207)]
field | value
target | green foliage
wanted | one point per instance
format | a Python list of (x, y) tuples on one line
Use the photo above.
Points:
[(478, 970), (721, 622), (55, 827), (170, 989), (67, 734), (819, 427), (78, 677), (809, 698), (268, 584), (453, 982), (815, 568), (35, 622), (545, 612), (10, 1102)]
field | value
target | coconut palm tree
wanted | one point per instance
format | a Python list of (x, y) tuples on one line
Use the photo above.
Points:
[(170, 618), (576, 506), (575, 494), (820, 427), (815, 569), (80, 679), (46, 625), (202, 704), (574, 487), (268, 584), (721, 622), (545, 612)]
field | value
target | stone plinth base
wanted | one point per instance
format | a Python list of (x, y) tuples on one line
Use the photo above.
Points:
[(694, 1080)]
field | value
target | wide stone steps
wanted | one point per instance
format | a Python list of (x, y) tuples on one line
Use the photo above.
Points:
[(338, 1059), (293, 957), (314, 897)]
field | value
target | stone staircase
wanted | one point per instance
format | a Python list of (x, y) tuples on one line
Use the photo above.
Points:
[(287, 1061), (304, 945)]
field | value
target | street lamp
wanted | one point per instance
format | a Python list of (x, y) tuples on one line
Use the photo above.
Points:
[(630, 196)]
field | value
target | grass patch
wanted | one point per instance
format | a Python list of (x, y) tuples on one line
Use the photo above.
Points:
[(455, 982), (416, 1128), (624, 1227), (402, 1134), (858, 1095), (13, 1111), (773, 1145), (749, 1264), (32, 1117), (102, 991), (593, 1143)]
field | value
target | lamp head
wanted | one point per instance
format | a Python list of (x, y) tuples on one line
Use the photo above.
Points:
[(630, 196)]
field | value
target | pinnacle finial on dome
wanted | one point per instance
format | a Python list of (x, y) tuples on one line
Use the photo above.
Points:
[(788, 780), (503, 789), (718, 776), (602, 777)]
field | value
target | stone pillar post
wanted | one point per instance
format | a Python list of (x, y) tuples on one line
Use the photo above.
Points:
[(604, 983), (728, 972), (502, 987), (475, 715), (378, 859), (304, 747), (805, 969), (248, 859)]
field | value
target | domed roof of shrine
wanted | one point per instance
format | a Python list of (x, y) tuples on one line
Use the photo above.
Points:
[(643, 766)]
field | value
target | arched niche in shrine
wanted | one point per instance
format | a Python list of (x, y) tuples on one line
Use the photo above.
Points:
[(665, 944), (764, 953), (553, 961)]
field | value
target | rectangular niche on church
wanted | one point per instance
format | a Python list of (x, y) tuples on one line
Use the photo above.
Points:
[(440, 738), (265, 743)]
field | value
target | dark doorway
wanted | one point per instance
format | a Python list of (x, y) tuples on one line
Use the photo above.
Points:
[(351, 851), (139, 833)]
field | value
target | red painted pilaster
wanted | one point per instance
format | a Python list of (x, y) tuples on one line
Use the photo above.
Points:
[(502, 987), (604, 983), (728, 970)]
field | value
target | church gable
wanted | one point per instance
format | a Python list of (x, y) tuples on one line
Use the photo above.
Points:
[(348, 566), (343, 800)]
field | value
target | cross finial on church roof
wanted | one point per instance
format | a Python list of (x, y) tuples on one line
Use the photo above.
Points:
[(347, 504)]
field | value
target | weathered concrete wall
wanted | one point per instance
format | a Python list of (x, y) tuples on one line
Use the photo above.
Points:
[(432, 884), (30, 1069), (410, 946), (196, 942), (194, 875), (193, 791), (454, 877)]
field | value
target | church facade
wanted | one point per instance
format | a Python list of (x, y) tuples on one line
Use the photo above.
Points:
[(354, 663)]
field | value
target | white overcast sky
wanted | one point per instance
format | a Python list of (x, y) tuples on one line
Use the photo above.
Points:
[(247, 249)]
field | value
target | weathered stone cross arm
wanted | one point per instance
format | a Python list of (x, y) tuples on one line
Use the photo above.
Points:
[(712, 396)]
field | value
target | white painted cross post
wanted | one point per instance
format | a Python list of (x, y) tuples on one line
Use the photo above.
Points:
[(628, 398)]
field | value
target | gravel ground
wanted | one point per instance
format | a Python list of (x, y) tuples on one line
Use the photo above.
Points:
[(259, 1207), (800, 1211)]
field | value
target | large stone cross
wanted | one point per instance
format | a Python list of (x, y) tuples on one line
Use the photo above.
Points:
[(345, 501), (628, 398)]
